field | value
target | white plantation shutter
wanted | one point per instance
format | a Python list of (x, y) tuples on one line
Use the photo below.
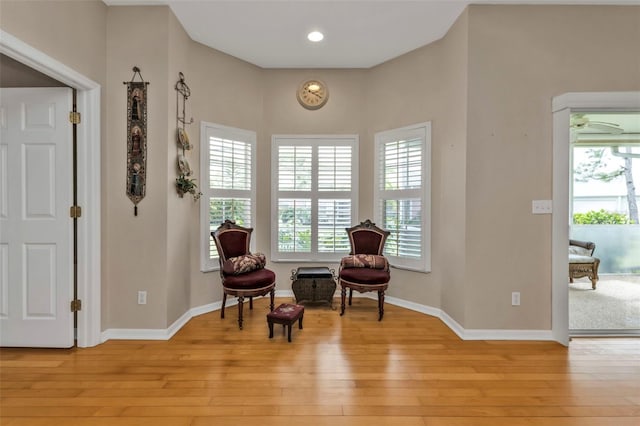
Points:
[(294, 168), (230, 164), (333, 217), (402, 194), (228, 171), (221, 209), (402, 218), (294, 225), (314, 183), (401, 165), (334, 168)]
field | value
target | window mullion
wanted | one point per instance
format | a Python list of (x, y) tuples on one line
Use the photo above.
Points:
[(314, 199), (231, 193)]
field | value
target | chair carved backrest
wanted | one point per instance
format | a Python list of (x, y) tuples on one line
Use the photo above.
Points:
[(231, 240), (367, 238)]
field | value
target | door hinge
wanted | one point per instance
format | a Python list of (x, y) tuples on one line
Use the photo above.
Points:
[(74, 117), (75, 212), (76, 305)]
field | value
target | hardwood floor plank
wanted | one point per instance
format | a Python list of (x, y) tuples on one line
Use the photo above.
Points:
[(531, 421), (407, 370), (35, 411), (99, 421), (99, 384), (311, 420)]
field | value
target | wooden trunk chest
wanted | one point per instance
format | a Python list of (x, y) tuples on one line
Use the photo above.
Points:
[(313, 285)]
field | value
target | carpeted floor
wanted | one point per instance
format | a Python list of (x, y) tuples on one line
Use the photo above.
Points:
[(613, 305)]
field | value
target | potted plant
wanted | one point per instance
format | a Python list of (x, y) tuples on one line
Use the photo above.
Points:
[(184, 185)]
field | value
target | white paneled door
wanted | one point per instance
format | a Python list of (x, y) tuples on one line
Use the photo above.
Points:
[(36, 234)]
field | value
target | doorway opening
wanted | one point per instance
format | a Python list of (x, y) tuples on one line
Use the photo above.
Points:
[(603, 210), (89, 187), (562, 107)]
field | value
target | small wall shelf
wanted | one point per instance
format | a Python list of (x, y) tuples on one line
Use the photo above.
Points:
[(184, 183)]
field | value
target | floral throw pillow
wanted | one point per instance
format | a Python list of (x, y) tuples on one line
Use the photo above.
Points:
[(372, 261), (243, 264)]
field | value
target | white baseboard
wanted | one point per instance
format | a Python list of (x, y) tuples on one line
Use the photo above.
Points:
[(472, 334), (540, 335), (464, 334), (160, 334)]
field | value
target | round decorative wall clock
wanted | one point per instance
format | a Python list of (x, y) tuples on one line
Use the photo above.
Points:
[(312, 94)]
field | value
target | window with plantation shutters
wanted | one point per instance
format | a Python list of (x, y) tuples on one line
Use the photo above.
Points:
[(314, 196), (228, 183), (402, 194)]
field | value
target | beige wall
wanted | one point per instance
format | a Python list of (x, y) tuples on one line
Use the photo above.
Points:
[(429, 84), (16, 74), (486, 87), (137, 246), (449, 203), (182, 213), (226, 91), (519, 59), (72, 32), (343, 114)]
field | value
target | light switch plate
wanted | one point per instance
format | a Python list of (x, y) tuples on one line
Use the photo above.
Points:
[(541, 207)]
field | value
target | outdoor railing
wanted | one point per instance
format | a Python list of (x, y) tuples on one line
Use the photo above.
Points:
[(617, 246)]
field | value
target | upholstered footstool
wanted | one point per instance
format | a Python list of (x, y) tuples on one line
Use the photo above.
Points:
[(285, 314)]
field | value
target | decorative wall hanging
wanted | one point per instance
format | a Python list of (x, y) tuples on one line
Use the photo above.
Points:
[(136, 139), (184, 184)]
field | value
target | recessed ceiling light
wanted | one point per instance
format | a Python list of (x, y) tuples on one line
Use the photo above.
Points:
[(315, 36)]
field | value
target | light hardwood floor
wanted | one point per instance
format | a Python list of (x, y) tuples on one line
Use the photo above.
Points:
[(407, 370)]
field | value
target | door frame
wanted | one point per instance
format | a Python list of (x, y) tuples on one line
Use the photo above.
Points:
[(89, 186), (561, 107)]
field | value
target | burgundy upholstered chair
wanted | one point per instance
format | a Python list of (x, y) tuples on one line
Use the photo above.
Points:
[(366, 268), (243, 273)]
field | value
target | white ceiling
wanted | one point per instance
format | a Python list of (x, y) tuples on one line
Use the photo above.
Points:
[(358, 33)]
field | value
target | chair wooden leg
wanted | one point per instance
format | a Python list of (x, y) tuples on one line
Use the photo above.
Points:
[(224, 300), (350, 295), (272, 295), (593, 276), (380, 304), (343, 295), (240, 300), (250, 302)]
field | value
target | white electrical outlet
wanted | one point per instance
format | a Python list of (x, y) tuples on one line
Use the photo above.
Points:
[(515, 298), (142, 298)]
